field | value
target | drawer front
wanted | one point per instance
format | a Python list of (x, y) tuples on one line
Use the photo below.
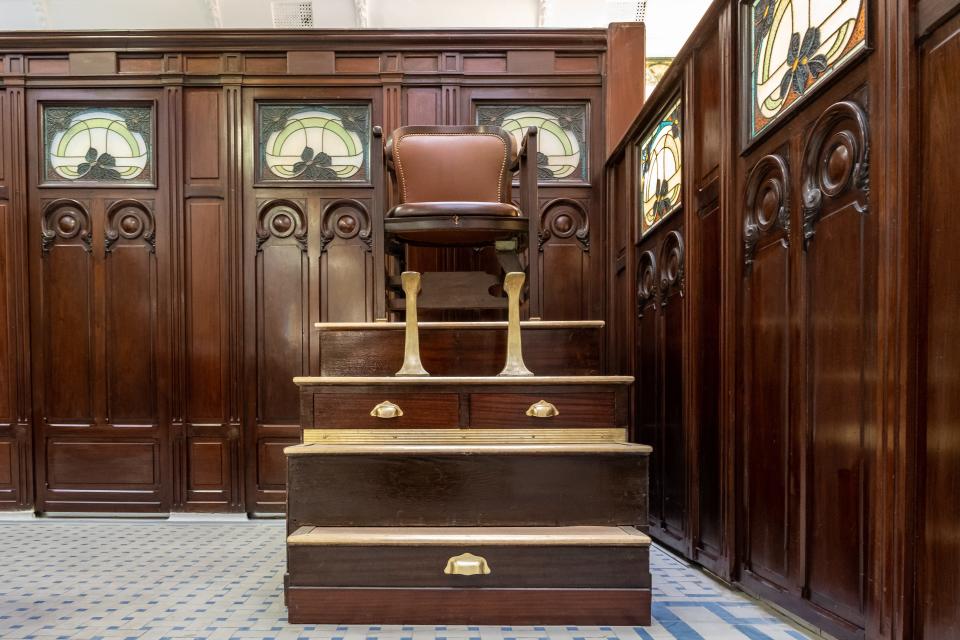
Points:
[(419, 410), (575, 566), (509, 410)]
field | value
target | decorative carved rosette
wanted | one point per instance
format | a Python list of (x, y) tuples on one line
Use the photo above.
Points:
[(646, 280), (564, 218), (281, 219), (836, 163), (767, 203), (65, 219), (129, 219), (671, 266), (345, 219)]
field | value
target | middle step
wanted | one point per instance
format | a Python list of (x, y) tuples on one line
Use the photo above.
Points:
[(466, 485)]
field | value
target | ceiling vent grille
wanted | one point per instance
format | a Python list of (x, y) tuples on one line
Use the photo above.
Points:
[(292, 15), (627, 10)]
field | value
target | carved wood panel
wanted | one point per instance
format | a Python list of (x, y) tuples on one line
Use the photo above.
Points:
[(768, 426), (660, 376), (98, 334), (839, 260)]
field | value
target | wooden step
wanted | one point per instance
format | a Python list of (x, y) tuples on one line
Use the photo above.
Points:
[(468, 575), (460, 348), (373, 485)]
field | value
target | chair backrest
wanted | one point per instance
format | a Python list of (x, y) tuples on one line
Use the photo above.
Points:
[(452, 163)]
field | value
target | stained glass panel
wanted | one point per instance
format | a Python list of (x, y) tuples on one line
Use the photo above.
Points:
[(561, 138), (661, 162), (794, 45), (109, 145), (314, 142)]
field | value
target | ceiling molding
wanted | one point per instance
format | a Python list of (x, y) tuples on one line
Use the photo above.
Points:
[(42, 10), (543, 12), (216, 13), (362, 11)]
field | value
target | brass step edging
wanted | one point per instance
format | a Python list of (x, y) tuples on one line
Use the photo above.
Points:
[(590, 536), (467, 436), (472, 448)]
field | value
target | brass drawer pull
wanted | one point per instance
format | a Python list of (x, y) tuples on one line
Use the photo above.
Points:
[(386, 410), (467, 564), (542, 409)]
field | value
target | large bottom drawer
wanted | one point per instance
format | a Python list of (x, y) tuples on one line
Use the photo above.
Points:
[(454, 575)]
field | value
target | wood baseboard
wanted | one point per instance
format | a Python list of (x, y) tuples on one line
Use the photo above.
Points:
[(335, 605)]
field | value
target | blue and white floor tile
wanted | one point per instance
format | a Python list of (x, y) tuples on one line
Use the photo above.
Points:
[(155, 580)]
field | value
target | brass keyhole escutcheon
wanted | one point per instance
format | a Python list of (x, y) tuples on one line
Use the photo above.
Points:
[(542, 409), (467, 564), (386, 410)]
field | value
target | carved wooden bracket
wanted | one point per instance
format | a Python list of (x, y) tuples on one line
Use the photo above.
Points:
[(646, 281), (345, 219), (671, 266), (65, 219), (564, 218), (836, 163), (767, 203), (129, 219), (281, 219)]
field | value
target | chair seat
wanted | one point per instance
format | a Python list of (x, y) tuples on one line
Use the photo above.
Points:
[(446, 209)]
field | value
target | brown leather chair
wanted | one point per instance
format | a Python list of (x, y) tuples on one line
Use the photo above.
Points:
[(454, 185)]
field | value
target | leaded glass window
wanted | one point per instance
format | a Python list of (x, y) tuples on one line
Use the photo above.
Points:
[(794, 45), (98, 144), (314, 142), (561, 137), (661, 163)]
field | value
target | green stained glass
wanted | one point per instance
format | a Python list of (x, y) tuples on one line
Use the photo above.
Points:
[(661, 164), (314, 142), (794, 45), (561, 138), (101, 144)]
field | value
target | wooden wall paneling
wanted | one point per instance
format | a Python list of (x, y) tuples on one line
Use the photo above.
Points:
[(210, 450), (770, 490), (939, 347), (810, 361), (311, 255), (570, 212), (672, 336), (838, 268), (16, 464), (704, 283), (101, 438)]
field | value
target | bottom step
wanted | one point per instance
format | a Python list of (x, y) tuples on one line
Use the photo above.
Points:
[(461, 606), (589, 575)]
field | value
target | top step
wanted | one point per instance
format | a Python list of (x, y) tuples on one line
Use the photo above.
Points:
[(550, 348)]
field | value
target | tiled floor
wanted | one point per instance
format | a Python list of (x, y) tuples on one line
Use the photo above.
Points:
[(150, 580)]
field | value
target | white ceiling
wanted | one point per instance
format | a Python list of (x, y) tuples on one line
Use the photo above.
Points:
[(669, 22)]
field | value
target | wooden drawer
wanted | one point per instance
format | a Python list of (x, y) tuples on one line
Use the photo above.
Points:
[(352, 410), (485, 575), (509, 410), (508, 557)]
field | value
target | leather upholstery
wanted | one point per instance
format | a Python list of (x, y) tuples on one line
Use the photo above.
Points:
[(452, 164), (427, 209)]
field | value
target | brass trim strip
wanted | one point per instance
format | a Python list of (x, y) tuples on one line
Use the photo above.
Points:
[(304, 381), (490, 324), (516, 448), (466, 536), (466, 436)]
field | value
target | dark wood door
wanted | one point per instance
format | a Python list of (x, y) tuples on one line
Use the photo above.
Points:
[(99, 252)]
